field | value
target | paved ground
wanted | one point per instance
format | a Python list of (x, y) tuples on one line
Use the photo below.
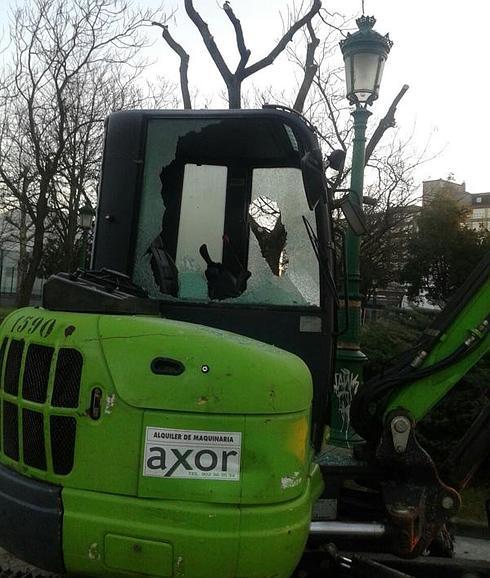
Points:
[(473, 548), (9, 562)]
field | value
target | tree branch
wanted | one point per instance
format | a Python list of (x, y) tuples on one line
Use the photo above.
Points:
[(388, 121), (326, 98), (184, 63), (242, 49), (281, 45), (209, 42), (310, 69)]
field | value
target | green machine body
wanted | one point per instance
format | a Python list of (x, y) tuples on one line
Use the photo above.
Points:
[(160, 413)]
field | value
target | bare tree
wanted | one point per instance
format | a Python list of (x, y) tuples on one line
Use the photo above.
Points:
[(184, 63), (391, 213), (232, 79), (390, 160), (101, 90), (311, 41), (266, 224), (56, 46)]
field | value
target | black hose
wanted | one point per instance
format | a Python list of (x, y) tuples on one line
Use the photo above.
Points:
[(366, 413)]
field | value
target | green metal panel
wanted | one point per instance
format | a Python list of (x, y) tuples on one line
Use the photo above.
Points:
[(241, 375), (126, 553), (204, 537), (276, 458), (245, 377), (208, 540), (215, 527), (286, 536), (107, 450)]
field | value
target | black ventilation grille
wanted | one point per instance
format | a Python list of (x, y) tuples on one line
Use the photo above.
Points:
[(36, 373), (12, 370), (34, 429), (33, 438), (10, 430), (63, 431), (66, 388)]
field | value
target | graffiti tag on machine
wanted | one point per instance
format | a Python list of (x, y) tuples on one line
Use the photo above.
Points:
[(182, 453), (345, 387)]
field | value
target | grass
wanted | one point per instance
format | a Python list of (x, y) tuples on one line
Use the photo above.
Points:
[(5, 310), (473, 508)]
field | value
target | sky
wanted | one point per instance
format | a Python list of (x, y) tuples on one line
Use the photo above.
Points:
[(440, 50)]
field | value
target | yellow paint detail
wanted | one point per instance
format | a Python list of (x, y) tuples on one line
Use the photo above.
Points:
[(297, 438)]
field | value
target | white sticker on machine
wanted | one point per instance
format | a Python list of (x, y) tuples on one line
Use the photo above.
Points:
[(184, 453)]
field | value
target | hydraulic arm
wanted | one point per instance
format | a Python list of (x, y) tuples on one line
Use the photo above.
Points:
[(452, 345), (419, 497)]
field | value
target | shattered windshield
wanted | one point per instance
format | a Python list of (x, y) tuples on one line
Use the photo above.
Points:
[(221, 214)]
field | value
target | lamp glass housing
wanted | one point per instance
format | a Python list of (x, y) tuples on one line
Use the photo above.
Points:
[(363, 74), (365, 53), (85, 216)]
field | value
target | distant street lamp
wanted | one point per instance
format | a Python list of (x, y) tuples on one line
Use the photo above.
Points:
[(365, 53), (86, 215)]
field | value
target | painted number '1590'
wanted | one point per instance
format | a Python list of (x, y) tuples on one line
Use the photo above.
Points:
[(31, 324)]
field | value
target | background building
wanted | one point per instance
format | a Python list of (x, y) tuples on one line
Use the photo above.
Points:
[(480, 211), (479, 203), (10, 256)]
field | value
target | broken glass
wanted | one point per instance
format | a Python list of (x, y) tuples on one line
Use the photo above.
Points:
[(276, 211), (200, 188), (161, 146)]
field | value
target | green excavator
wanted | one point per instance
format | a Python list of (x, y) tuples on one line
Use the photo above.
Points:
[(163, 414)]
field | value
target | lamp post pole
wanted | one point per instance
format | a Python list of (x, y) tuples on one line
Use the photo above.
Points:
[(365, 53), (350, 359), (83, 252), (85, 217), (353, 241)]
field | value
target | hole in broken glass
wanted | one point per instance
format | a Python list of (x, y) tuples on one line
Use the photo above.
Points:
[(270, 232)]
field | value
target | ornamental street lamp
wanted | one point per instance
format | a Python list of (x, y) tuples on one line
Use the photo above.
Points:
[(365, 53), (85, 218)]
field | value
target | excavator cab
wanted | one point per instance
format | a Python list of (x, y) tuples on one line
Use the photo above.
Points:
[(222, 217)]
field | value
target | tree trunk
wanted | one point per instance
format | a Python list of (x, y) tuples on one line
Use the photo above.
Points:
[(271, 243), (69, 244), (22, 263), (24, 292), (235, 94)]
